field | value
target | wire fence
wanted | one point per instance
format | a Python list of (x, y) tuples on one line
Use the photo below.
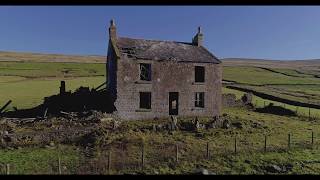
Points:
[(129, 157)]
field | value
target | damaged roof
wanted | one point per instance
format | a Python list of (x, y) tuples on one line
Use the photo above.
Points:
[(164, 50)]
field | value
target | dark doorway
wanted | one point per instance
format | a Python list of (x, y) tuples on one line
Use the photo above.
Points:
[(173, 103)]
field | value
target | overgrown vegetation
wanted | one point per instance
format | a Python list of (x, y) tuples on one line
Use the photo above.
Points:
[(125, 143)]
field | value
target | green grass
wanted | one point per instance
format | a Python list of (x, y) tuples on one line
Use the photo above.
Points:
[(39, 160), (160, 148), (260, 102), (292, 72), (258, 76), (36, 70), (27, 83), (7, 79), (304, 88), (302, 93), (29, 93)]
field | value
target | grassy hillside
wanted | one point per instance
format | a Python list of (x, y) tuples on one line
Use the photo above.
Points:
[(37, 57), (41, 70), (294, 80), (26, 83), (23, 81)]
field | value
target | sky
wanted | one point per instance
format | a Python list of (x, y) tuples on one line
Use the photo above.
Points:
[(266, 32)]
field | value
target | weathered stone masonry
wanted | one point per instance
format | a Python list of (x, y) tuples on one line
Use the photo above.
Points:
[(172, 70)]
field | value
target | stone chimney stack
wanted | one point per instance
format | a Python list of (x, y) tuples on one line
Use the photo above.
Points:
[(198, 38), (112, 30)]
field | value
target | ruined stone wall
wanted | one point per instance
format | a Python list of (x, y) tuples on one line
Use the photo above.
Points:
[(111, 66), (167, 76), (230, 100)]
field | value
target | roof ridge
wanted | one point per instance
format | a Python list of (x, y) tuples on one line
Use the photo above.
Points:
[(156, 40), (158, 49)]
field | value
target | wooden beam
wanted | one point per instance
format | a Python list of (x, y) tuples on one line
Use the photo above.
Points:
[(5, 106)]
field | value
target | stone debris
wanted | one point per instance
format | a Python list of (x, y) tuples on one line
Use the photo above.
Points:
[(237, 125), (226, 124), (197, 125), (278, 168), (68, 127), (247, 98), (173, 124), (203, 171), (230, 100)]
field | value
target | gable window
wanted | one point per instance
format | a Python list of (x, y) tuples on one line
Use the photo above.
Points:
[(199, 99), (199, 73), (145, 100), (145, 72)]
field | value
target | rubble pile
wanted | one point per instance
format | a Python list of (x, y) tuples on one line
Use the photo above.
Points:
[(67, 127)]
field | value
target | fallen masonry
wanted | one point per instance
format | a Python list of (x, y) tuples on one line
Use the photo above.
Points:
[(69, 127)]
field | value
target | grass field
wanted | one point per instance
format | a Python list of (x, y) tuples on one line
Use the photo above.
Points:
[(37, 70), (160, 149), (258, 76), (26, 84), (260, 102), (284, 83)]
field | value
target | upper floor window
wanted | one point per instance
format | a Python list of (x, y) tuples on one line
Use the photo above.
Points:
[(145, 72), (199, 73)]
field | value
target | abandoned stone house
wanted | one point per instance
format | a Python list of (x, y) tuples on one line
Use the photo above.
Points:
[(155, 79)]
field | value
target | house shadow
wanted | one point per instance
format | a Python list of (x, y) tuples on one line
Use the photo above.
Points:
[(277, 110)]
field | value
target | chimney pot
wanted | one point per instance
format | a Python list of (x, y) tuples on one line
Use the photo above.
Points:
[(112, 30), (198, 38)]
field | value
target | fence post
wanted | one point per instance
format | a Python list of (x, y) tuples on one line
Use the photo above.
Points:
[(59, 165), (8, 169), (235, 145), (177, 153), (208, 151), (309, 114), (265, 143), (312, 139), (142, 157), (109, 161), (289, 140)]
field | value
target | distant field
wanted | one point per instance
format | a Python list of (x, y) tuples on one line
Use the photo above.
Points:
[(259, 76), (294, 80), (259, 102), (26, 78), (26, 84), (37, 57), (29, 93), (37, 69)]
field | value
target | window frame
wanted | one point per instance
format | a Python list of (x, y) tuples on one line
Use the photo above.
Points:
[(199, 100), (147, 68), (149, 104), (197, 77)]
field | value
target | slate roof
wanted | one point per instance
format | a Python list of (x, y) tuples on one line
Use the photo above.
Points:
[(164, 50)]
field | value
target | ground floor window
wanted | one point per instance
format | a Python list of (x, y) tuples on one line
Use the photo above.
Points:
[(199, 99), (145, 100)]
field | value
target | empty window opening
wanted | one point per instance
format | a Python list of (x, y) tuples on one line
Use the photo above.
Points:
[(145, 100), (145, 72), (199, 99), (199, 74)]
